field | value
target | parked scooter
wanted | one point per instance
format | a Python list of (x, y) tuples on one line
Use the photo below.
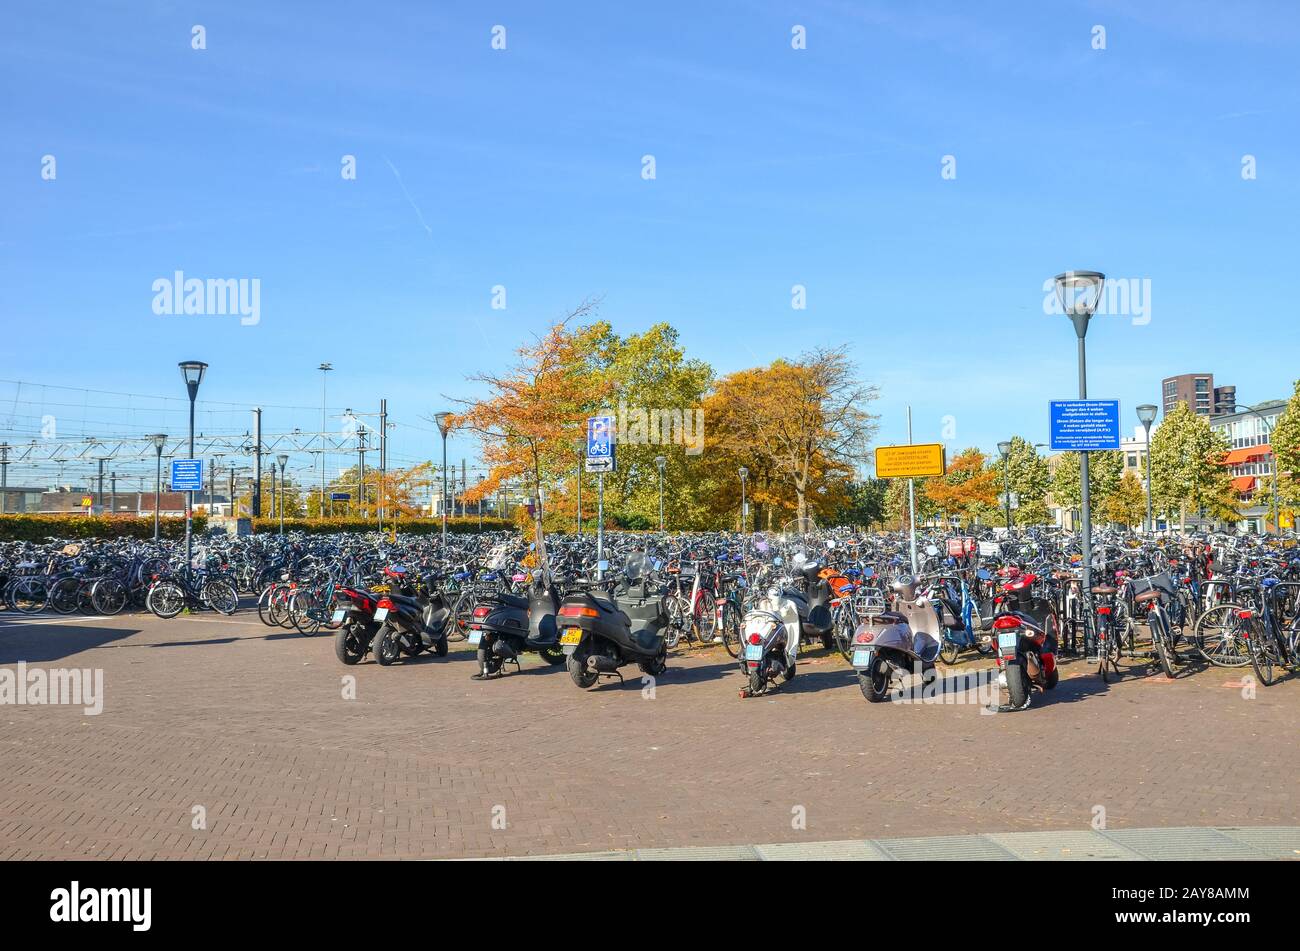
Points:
[(599, 633), (354, 612), (503, 626), (795, 608), (1026, 656), (409, 625), (889, 645)]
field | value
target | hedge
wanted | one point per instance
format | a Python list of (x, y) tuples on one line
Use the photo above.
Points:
[(37, 528), (414, 526)]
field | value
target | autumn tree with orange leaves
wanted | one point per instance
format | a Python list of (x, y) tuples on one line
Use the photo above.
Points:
[(967, 490), (535, 413), (801, 426)]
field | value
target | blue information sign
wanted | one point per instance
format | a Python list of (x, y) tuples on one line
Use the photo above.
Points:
[(1084, 425), (340, 496), (187, 475)]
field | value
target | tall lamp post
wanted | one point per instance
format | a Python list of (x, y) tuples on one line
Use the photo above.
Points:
[(324, 375), (192, 371), (282, 458), (744, 474), (444, 425), (1079, 293), (660, 462), (1268, 431), (1005, 448), (159, 440), (1146, 416)]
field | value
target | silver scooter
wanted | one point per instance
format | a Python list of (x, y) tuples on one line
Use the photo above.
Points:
[(889, 645)]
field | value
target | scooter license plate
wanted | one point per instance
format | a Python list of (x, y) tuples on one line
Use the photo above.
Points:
[(381, 614), (474, 637), (1007, 642), (338, 615), (753, 652), (862, 656), (571, 636)]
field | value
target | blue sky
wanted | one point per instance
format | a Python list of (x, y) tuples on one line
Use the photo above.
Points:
[(775, 167)]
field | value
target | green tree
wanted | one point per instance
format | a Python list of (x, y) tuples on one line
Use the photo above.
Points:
[(1187, 471), (1285, 442), (1127, 505), (1104, 471), (865, 505)]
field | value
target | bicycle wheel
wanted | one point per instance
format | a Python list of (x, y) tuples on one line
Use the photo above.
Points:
[(166, 599), (731, 628), (462, 614), (305, 612), (1162, 641), (706, 617), (1265, 652), (30, 595), (63, 595), (1218, 636), (678, 612), (108, 596), (220, 595), (264, 605)]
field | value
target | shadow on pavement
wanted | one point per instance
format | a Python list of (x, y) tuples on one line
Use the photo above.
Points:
[(41, 643)]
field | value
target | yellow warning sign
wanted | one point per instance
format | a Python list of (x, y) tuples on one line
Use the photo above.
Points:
[(905, 462)]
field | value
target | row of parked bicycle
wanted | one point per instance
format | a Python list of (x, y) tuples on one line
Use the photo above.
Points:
[(1157, 604)]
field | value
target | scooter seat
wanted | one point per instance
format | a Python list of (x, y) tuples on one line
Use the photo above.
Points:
[(509, 600), (402, 601), (890, 617)]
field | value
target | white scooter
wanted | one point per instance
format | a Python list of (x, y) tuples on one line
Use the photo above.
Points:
[(770, 634), (889, 645)]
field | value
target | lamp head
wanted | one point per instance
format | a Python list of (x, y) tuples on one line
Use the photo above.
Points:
[(1004, 448), (661, 461), (159, 440), (444, 423), (193, 371), (282, 458), (1147, 414), (1079, 293), (744, 473)]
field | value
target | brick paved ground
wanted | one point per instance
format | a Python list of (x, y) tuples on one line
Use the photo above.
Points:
[(250, 724)]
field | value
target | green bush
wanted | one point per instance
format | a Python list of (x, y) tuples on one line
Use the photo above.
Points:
[(414, 526), (37, 528)]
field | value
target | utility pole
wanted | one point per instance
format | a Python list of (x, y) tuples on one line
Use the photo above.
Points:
[(4, 478), (257, 463), (361, 473), (464, 487), (383, 459), (112, 498)]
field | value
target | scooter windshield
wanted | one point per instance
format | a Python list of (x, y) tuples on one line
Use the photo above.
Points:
[(635, 569)]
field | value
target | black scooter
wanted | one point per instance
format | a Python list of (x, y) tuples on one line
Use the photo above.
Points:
[(599, 634), (503, 626), (410, 625)]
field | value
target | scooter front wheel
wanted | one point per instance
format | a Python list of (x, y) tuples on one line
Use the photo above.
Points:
[(949, 652)]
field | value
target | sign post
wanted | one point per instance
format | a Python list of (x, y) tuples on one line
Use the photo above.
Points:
[(600, 459), (911, 462)]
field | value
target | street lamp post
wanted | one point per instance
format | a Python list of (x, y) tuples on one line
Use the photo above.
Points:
[(744, 474), (192, 371), (159, 440), (1147, 415), (1005, 449), (660, 462), (1079, 293), (324, 375), (282, 458), (1268, 431), (444, 425)]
